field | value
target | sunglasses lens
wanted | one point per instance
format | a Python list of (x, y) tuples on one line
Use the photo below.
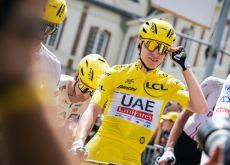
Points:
[(163, 49), (85, 89), (152, 45)]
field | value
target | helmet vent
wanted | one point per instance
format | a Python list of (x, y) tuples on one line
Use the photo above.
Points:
[(144, 30), (60, 11), (92, 76), (87, 63), (169, 33), (101, 60), (82, 71), (154, 28), (147, 23)]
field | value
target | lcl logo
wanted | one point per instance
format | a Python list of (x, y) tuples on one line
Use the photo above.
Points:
[(155, 86), (150, 87)]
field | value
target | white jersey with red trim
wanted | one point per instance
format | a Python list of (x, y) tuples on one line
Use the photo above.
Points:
[(222, 109), (211, 88), (67, 109), (46, 72)]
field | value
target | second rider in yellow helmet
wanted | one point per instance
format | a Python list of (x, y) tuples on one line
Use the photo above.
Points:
[(75, 92)]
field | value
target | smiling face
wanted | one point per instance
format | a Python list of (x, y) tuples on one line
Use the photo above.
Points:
[(152, 59)]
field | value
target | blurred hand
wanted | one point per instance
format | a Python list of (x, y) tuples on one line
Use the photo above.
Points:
[(78, 150), (168, 157), (179, 58)]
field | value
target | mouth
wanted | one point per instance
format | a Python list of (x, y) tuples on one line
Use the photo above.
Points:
[(153, 60)]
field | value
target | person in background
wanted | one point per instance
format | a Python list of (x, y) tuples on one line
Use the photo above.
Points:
[(167, 122), (184, 132), (133, 97), (173, 106), (221, 112)]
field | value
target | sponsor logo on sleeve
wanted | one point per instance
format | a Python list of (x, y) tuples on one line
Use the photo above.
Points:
[(163, 75), (127, 88), (129, 81)]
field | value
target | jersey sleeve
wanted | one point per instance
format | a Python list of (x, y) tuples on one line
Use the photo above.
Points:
[(205, 87), (106, 86), (180, 94), (209, 84)]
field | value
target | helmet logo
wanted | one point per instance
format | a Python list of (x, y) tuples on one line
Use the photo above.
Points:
[(154, 28)]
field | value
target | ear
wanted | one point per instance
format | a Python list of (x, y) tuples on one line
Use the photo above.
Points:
[(139, 44), (76, 76)]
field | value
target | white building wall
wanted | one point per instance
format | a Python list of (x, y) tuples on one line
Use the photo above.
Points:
[(104, 20), (108, 20)]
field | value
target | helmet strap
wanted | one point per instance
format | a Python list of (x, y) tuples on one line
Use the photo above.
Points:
[(142, 62)]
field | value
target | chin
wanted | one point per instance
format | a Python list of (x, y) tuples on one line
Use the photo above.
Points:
[(153, 66)]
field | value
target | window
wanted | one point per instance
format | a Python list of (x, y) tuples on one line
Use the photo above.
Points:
[(131, 52), (97, 41), (91, 40), (102, 43)]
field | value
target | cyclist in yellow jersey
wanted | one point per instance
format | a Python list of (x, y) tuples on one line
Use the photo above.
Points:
[(133, 97)]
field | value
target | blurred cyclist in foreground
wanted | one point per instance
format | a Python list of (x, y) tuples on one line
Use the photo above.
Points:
[(25, 136)]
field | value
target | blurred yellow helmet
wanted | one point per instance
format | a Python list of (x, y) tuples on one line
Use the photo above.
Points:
[(55, 11), (91, 68), (170, 116), (159, 30)]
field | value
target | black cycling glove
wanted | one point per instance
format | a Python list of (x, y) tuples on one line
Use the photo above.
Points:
[(179, 58)]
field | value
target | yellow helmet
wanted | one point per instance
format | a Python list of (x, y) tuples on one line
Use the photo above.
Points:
[(159, 30), (170, 116), (55, 11), (91, 68)]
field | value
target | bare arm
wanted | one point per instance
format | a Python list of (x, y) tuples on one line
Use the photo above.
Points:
[(197, 102), (178, 128), (87, 121)]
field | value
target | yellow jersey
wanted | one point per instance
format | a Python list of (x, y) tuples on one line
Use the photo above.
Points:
[(134, 101)]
